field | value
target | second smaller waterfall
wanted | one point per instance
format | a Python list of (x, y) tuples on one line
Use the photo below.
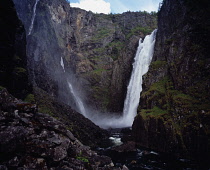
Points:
[(33, 17), (77, 99), (62, 64)]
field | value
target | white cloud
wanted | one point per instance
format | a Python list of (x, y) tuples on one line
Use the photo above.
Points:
[(150, 6), (96, 6), (118, 6)]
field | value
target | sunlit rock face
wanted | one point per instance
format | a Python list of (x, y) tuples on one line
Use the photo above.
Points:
[(174, 111), (97, 51)]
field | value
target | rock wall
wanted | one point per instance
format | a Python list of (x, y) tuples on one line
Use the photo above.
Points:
[(14, 77), (13, 68), (30, 139), (174, 112), (97, 51)]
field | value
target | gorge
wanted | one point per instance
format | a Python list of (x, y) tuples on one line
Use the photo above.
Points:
[(68, 61)]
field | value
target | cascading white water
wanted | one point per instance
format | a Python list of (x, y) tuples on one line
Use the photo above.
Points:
[(33, 17), (62, 64), (140, 67), (78, 101)]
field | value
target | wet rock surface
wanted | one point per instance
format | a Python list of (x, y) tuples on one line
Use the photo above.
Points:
[(32, 140)]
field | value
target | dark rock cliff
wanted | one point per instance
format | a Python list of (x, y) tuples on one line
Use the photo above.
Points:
[(13, 68), (174, 112), (97, 51), (14, 77)]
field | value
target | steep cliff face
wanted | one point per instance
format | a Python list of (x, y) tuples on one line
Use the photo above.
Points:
[(174, 112), (30, 139), (97, 51), (13, 70), (45, 45), (14, 77)]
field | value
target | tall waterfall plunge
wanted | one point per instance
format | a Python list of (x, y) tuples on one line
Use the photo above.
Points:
[(141, 64), (140, 67)]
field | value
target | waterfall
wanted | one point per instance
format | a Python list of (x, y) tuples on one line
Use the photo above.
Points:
[(141, 64), (62, 64), (77, 99), (140, 67), (33, 17)]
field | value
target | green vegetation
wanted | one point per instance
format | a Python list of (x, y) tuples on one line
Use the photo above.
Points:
[(47, 110), (101, 34), (174, 103), (98, 71), (154, 112), (157, 64), (116, 47), (101, 94), (83, 159), (103, 16), (18, 71), (99, 50), (168, 41), (119, 45), (137, 30), (30, 98), (44, 101), (158, 87)]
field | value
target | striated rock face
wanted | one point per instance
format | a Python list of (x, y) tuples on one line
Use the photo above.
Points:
[(96, 49), (32, 140), (174, 112), (13, 69)]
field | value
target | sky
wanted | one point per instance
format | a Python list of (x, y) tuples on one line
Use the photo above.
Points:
[(116, 6)]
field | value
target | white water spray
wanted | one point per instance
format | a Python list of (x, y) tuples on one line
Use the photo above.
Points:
[(33, 17), (140, 67), (77, 99), (62, 64)]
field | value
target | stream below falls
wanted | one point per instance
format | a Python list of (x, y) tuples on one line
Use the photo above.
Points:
[(124, 152)]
